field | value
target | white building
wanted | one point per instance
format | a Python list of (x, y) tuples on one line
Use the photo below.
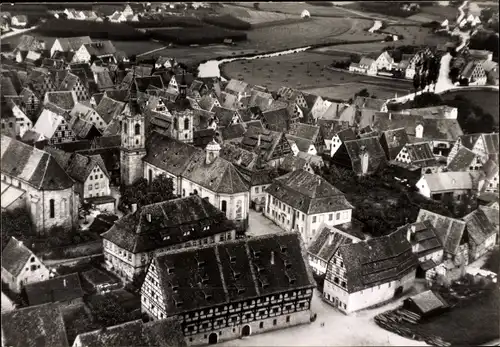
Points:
[(301, 201)]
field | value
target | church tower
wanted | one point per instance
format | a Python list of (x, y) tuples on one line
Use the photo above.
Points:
[(182, 115), (133, 140)]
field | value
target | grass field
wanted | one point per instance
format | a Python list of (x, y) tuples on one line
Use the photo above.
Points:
[(306, 71), (486, 99), (255, 17), (296, 8)]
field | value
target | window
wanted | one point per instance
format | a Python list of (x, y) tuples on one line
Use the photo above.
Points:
[(314, 219), (96, 186), (261, 325), (256, 189), (338, 216), (52, 208), (330, 216), (288, 319), (175, 123), (224, 206), (275, 321), (186, 123), (239, 209), (125, 128), (303, 217), (32, 259)]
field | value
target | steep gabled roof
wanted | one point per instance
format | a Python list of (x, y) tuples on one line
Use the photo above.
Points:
[(479, 227), (450, 230), (462, 160), (395, 140), (376, 154), (14, 256), (61, 288)]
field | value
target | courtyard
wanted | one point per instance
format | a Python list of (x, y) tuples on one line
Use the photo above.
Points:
[(259, 225), (357, 329)]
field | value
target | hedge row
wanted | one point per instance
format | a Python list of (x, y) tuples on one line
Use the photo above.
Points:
[(167, 21), (98, 30), (189, 36), (320, 3), (228, 22)]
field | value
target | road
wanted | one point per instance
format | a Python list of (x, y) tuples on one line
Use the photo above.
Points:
[(358, 329)]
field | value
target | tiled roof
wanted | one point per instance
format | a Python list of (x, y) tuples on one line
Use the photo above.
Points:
[(28, 42), (305, 131), (63, 99), (376, 154), (428, 301), (14, 256), (238, 156), (100, 48), (61, 288), (237, 87), (308, 193), (33, 166), (492, 214), (451, 180), (232, 271), (117, 95), (103, 80), (421, 154), (268, 141), (369, 103), (462, 160), (224, 115), (7, 88), (479, 227), (73, 43), (109, 108), (449, 230), (172, 222), (162, 333), (302, 144), (424, 237), (377, 261), (277, 119), (434, 112), (78, 166), (40, 326), (395, 140), (201, 138), (327, 241)]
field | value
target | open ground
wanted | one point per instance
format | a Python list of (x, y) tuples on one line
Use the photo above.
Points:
[(306, 71)]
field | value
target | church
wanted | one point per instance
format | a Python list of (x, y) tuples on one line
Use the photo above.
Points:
[(194, 171)]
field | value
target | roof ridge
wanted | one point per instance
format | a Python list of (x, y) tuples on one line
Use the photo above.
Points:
[(252, 271), (221, 272)]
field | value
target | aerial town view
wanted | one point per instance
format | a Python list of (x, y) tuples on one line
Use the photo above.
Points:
[(250, 174)]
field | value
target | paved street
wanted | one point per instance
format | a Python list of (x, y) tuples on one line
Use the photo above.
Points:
[(260, 225), (358, 329)]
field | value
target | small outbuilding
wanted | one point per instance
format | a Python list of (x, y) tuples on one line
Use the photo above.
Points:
[(426, 304), (305, 14)]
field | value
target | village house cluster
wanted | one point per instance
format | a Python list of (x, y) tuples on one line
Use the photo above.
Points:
[(78, 120)]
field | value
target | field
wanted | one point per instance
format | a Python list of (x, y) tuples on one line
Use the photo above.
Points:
[(306, 71), (435, 13), (296, 8), (486, 99), (256, 18)]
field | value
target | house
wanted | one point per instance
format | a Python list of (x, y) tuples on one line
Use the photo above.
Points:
[(277, 120), (426, 304), (464, 159), (481, 232), (384, 61), (425, 241), (15, 123), (451, 233), (4, 25), (483, 145), (490, 176), (302, 160), (433, 112), (366, 66), (416, 154), (449, 186), (7, 304), (60, 101), (108, 109), (239, 88), (33, 176), (103, 50), (164, 333), (272, 145), (89, 114), (197, 171), (69, 44), (370, 272), (20, 266), (165, 62), (364, 156), (474, 74), (54, 127), (327, 241), (41, 325), (415, 61), (301, 201), (117, 17), (130, 244), (246, 286), (88, 172), (65, 290), (298, 144), (362, 102), (73, 83), (309, 132), (29, 43), (393, 141), (19, 21)]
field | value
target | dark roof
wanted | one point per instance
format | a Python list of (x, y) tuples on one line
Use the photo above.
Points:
[(108, 108), (424, 238), (276, 120), (14, 256), (62, 288), (479, 227), (377, 261), (233, 131), (376, 155), (62, 99), (327, 242), (490, 141), (462, 160), (239, 156), (308, 193), (232, 271), (98, 97), (450, 230), (161, 333), (172, 222), (421, 154), (268, 141), (428, 301), (100, 48), (78, 166), (33, 166), (40, 326), (201, 138), (395, 140), (305, 131), (302, 144)]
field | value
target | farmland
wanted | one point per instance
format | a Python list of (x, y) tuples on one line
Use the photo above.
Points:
[(306, 71)]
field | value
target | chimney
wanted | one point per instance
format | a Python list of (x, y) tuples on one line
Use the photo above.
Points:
[(258, 140), (419, 131), (134, 207), (272, 257), (337, 112), (364, 156), (148, 216)]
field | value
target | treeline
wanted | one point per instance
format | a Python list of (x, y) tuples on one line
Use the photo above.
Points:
[(96, 30), (385, 7), (224, 21), (485, 40), (228, 22), (320, 3), (204, 35)]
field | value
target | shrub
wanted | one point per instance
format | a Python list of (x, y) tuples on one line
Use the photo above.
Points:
[(228, 22)]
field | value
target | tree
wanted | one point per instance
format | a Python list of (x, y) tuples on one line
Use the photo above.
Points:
[(16, 223), (109, 312), (256, 5), (362, 93), (142, 193), (423, 81), (416, 82)]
